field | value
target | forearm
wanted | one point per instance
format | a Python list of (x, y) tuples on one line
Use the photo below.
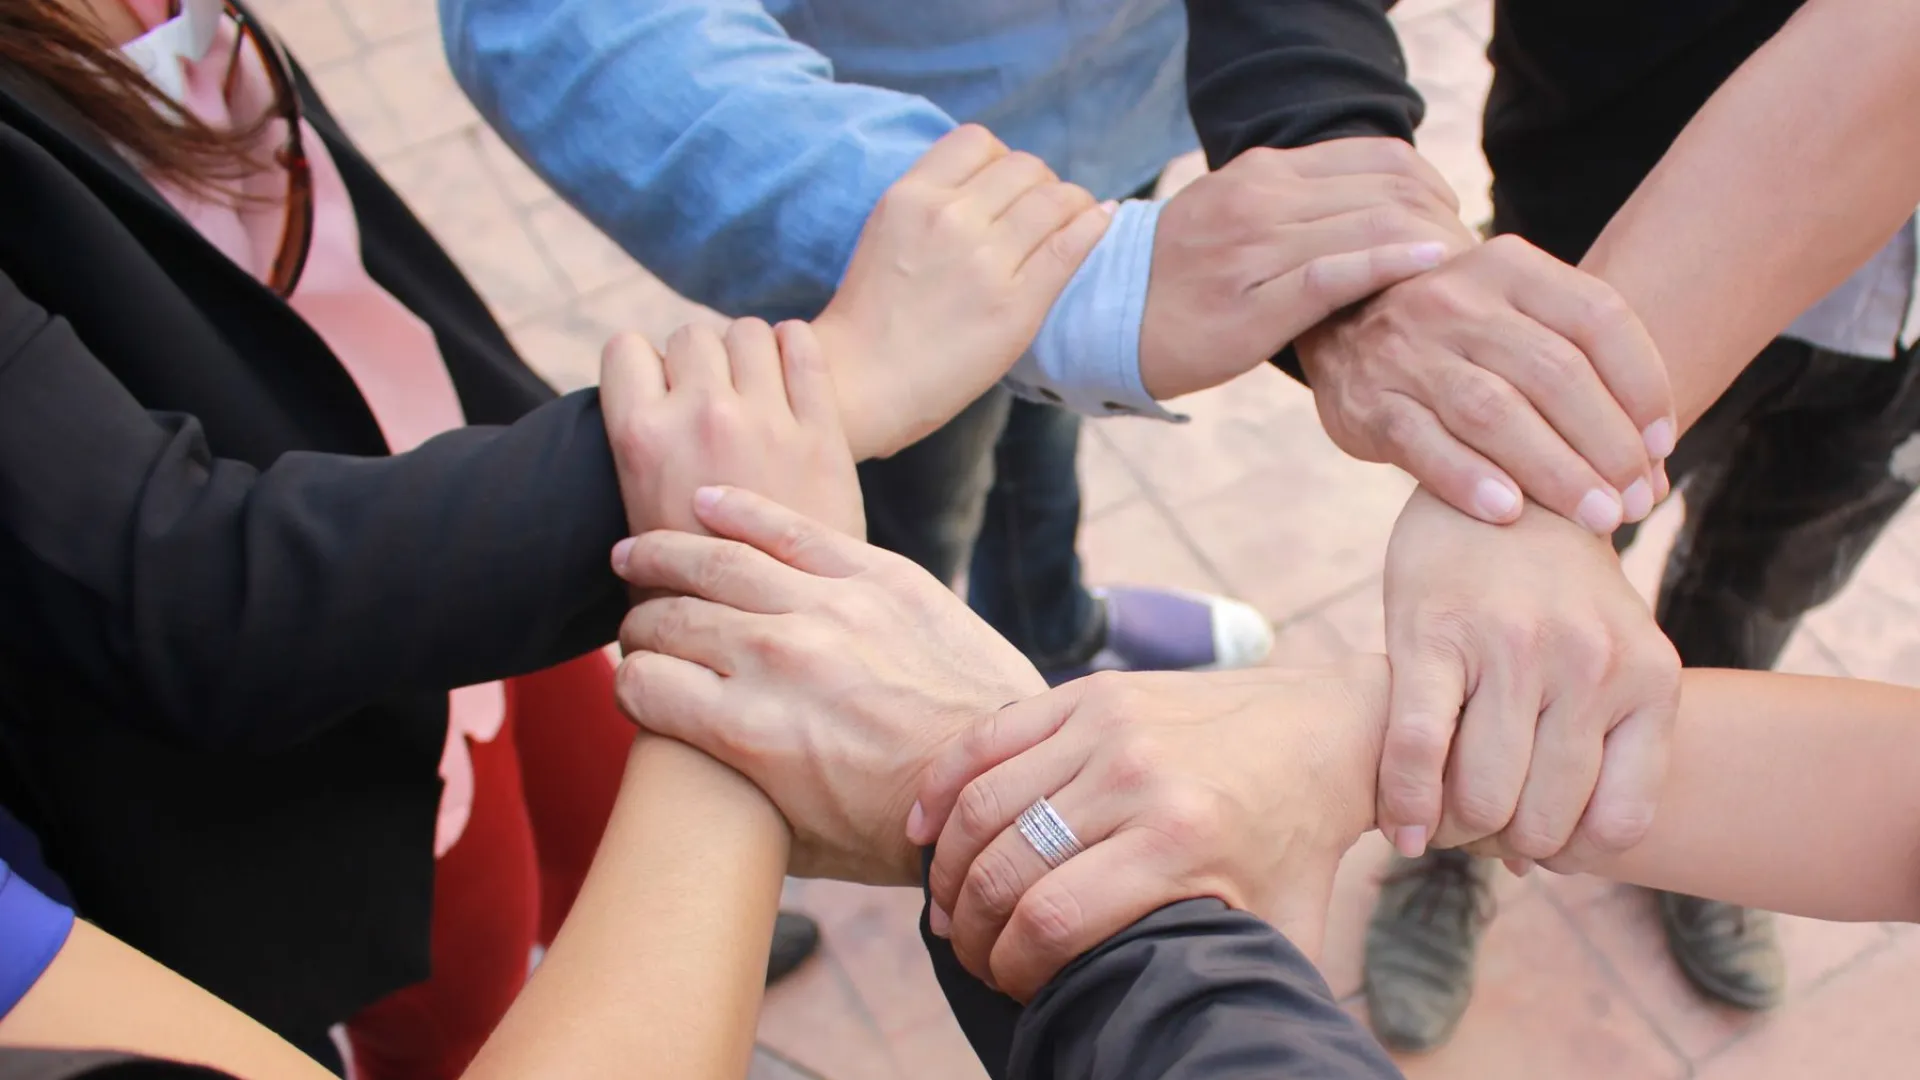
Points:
[(242, 609), (699, 136), (1790, 793), (660, 966), (1792, 175), (1296, 73)]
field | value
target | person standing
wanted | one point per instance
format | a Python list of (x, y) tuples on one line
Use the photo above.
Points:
[(1790, 476)]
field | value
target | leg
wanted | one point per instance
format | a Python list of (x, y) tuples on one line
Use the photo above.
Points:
[(485, 914), (926, 502), (1025, 577), (573, 741), (1786, 519), (1424, 936)]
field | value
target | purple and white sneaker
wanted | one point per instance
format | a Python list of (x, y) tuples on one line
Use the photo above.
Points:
[(1173, 630)]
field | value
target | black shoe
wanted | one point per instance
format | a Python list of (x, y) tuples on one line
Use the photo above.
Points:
[(795, 937), (1729, 952), (1421, 944)]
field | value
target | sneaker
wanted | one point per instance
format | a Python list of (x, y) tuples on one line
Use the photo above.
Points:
[(1173, 630), (795, 937), (1731, 953), (1421, 945)]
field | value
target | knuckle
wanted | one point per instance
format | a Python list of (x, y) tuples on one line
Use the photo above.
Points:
[(951, 218), (1191, 817), (1389, 223), (1030, 166), (1510, 247), (978, 810), (1132, 763), (1049, 922), (1558, 364), (1532, 840), (1483, 403), (1615, 828), (1480, 812), (718, 566), (992, 884)]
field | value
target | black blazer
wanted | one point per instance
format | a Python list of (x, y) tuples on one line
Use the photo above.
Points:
[(230, 619)]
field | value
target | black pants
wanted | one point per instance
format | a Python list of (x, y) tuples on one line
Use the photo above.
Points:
[(1789, 479)]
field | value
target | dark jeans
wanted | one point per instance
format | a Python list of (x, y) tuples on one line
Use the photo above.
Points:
[(1789, 479), (996, 491)]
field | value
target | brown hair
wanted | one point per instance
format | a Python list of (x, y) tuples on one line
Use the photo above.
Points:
[(72, 56)]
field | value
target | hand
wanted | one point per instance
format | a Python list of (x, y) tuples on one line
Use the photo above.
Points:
[(756, 409), (1247, 258), (1247, 786), (1504, 372), (1569, 689), (827, 671), (956, 270)]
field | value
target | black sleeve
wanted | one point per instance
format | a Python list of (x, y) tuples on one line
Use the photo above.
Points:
[(1288, 73), (1194, 991), (1294, 72), (205, 598)]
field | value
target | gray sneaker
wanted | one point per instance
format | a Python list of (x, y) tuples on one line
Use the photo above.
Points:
[(1421, 944), (1731, 953)]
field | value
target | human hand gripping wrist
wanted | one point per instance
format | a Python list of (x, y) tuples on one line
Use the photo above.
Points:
[(1503, 375), (1533, 694), (955, 271), (755, 408), (825, 670), (1247, 258), (1247, 786)]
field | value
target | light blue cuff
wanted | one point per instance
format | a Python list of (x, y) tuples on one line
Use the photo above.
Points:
[(1087, 355)]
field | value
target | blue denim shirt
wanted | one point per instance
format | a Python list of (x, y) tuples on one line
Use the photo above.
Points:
[(736, 147)]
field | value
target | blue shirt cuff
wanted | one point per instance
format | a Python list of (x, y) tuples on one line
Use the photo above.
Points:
[(1087, 355), (32, 931)]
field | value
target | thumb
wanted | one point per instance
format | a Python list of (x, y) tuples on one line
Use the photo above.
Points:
[(1429, 686)]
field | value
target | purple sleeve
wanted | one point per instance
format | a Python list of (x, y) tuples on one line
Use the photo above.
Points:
[(32, 930)]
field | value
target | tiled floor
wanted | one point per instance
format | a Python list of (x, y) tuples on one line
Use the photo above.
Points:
[(1574, 980)]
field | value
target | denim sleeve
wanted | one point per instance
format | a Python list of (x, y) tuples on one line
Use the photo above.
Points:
[(722, 154)]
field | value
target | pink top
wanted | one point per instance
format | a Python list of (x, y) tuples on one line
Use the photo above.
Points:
[(390, 353)]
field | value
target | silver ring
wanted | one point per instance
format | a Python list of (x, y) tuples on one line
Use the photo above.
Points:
[(1043, 827)]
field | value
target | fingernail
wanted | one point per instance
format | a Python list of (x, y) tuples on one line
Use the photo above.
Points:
[(1599, 511), (1518, 867), (1429, 255), (1111, 206), (916, 822), (1494, 500), (1637, 500), (620, 552), (707, 498), (938, 920), (1662, 486), (1411, 840), (1660, 438)]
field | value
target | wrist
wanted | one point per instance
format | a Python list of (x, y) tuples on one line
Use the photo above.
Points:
[(861, 420)]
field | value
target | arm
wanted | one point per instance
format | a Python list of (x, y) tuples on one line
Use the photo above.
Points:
[(706, 142), (687, 878), (1789, 793), (205, 595), (662, 962), (1193, 991), (1291, 74), (1734, 233)]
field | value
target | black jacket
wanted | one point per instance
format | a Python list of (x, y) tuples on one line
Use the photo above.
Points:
[(231, 619), (1193, 991)]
